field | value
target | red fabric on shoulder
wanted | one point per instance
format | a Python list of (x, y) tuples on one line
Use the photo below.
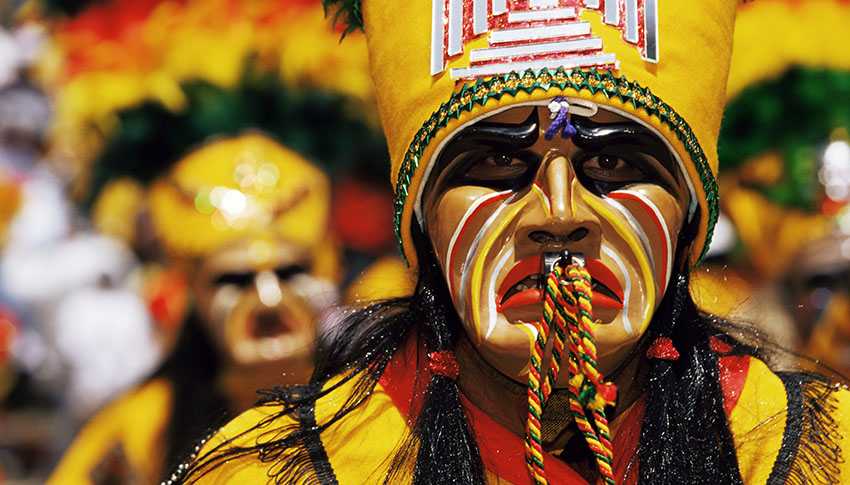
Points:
[(502, 452), (733, 373)]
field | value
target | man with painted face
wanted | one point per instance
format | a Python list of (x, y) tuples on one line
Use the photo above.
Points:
[(553, 164), (245, 221)]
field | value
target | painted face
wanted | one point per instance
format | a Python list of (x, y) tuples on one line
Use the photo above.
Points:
[(262, 302), (500, 195)]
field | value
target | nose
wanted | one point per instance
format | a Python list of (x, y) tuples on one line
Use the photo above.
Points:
[(268, 288), (564, 220)]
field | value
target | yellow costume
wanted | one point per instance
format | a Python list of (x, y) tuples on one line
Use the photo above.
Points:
[(391, 404), (783, 137), (768, 416), (116, 443), (194, 198)]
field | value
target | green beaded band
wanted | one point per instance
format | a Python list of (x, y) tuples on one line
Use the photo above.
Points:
[(576, 79)]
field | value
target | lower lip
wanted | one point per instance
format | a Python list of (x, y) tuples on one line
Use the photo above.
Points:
[(534, 296)]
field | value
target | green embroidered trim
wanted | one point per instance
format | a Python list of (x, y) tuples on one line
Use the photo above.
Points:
[(576, 79)]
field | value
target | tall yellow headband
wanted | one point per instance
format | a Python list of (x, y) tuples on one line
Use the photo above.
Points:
[(439, 63)]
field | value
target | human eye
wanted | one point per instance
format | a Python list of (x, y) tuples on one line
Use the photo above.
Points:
[(494, 168), (615, 155), (499, 166), (234, 278), (287, 272), (610, 170)]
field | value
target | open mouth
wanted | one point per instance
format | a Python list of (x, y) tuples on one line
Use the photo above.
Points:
[(523, 285), (267, 323), (265, 335)]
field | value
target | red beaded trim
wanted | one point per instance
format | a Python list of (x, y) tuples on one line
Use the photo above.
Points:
[(662, 348), (443, 364)]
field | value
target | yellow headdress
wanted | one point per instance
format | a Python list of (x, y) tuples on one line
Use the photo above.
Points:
[(170, 77), (774, 35), (438, 65), (787, 99), (126, 52), (247, 187)]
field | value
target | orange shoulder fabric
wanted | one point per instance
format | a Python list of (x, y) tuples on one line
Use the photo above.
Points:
[(502, 452)]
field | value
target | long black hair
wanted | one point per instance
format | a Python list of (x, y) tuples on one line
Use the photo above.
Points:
[(190, 371)]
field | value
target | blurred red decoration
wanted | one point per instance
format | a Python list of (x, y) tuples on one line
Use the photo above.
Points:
[(9, 330), (116, 23), (830, 207), (362, 215), (167, 294)]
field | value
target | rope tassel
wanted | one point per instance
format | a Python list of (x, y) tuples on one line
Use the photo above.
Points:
[(559, 112), (568, 318)]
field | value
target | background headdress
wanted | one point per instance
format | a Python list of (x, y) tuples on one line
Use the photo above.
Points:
[(439, 64), (169, 77), (784, 180)]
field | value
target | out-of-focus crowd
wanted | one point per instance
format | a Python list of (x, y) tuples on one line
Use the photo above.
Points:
[(191, 191)]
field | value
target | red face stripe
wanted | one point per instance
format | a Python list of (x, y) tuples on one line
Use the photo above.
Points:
[(661, 234), (493, 198)]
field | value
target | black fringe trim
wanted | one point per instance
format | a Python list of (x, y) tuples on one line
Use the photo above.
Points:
[(314, 446), (810, 453), (296, 452)]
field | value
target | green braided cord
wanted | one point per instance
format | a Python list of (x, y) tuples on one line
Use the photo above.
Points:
[(570, 321), (581, 396), (592, 81), (561, 333), (602, 432), (589, 390)]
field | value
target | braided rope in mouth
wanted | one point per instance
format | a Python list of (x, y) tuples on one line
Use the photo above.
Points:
[(568, 318)]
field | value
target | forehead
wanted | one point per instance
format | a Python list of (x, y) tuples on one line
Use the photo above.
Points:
[(255, 255)]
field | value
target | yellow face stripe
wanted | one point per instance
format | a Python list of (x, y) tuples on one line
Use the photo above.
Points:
[(543, 198), (636, 248), (478, 270), (572, 194)]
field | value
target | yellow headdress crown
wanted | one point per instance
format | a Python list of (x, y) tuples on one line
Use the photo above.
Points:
[(438, 64), (772, 36), (237, 188)]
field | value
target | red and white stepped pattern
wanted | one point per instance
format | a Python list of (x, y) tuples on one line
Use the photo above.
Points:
[(533, 34)]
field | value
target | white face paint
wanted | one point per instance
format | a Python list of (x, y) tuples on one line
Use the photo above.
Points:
[(266, 314), (494, 208), (268, 288)]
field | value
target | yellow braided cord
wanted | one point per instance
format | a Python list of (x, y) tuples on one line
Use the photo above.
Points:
[(568, 317), (536, 401), (580, 281)]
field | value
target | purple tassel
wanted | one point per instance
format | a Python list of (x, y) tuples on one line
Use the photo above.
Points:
[(561, 120)]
